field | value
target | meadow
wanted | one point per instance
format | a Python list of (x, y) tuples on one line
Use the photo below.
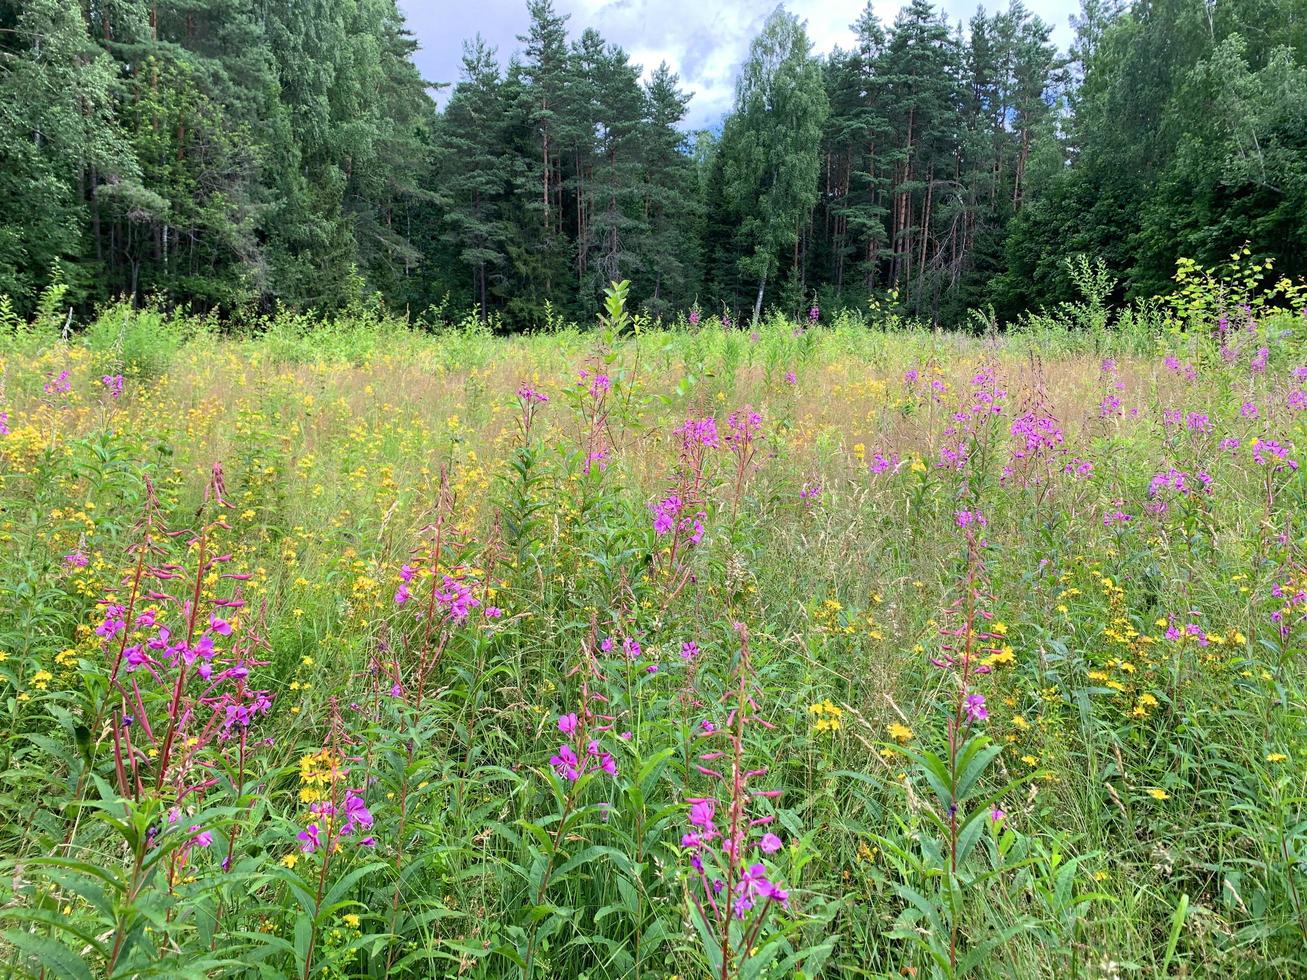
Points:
[(838, 648)]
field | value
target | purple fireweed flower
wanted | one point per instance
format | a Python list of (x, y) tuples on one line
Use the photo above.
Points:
[(689, 650), (113, 382), (58, 384), (665, 514), (567, 724), (565, 763), (1268, 452), (698, 432), (310, 839), (882, 464), (456, 598), (701, 812), (1040, 434), (770, 843), (974, 706), (530, 396), (356, 813)]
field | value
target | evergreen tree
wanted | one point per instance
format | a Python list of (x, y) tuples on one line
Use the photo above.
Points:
[(669, 248), (59, 147), (472, 175)]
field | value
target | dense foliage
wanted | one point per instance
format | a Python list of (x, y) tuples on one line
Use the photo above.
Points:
[(837, 649), (225, 154)]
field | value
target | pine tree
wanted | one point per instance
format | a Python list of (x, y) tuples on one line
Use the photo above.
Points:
[(544, 75), (921, 71), (472, 174), (668, 248)]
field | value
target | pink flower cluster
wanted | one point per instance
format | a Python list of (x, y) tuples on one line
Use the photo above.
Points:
[(753, 883), (353, 813), (670, 514), (571, 766)]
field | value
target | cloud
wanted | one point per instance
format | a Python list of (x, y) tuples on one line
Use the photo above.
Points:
[(703, 41)]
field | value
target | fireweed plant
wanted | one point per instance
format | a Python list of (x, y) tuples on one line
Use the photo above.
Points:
[(730, 845), (437, 672)]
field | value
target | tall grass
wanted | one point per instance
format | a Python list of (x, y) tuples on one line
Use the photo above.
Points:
[(356, 648)]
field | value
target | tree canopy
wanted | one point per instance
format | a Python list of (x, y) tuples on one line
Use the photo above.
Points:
[(231, 155)]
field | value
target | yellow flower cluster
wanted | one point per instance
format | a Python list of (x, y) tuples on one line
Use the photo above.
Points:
[(318, 771), (826, 716)]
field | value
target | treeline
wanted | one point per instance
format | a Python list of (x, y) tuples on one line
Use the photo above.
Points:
[(237, 153), (213, 152)]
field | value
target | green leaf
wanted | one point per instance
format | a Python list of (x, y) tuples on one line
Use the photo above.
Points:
[(1177, 924), (50, 954)]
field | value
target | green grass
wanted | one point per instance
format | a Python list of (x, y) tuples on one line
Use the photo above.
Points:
[(1151, 788)]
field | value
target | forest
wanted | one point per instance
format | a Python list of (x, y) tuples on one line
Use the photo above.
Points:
[(235, 155)]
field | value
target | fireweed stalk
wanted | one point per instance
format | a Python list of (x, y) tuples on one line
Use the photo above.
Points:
[(593, 386), (967, 439), (337, 811), (529, 401), (744, 432), (180, 665), (734, 890), (967, 644), (448, 602), (199, 670), (678, 518), (579, 758), (146, 552)]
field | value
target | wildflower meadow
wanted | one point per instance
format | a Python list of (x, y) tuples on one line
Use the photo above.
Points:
[(837, 647)]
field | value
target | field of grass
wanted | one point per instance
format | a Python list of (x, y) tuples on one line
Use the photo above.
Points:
[(350, 650)]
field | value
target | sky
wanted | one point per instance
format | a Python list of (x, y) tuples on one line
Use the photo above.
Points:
[(704, 41)]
